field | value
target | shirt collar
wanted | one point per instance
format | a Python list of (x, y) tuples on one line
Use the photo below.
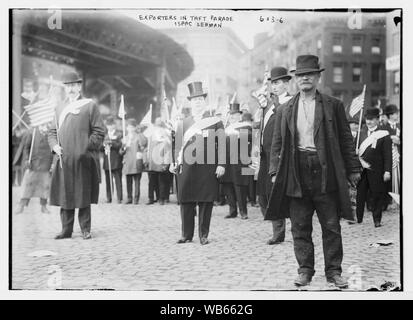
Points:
[(372, 129)]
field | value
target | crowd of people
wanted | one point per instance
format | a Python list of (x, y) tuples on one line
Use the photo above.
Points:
[(306, 156)]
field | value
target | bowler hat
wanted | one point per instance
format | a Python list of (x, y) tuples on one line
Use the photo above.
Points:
[(71, 77), (390, 109), (307, 64), (278, 73), (195, 90), (372, 113)]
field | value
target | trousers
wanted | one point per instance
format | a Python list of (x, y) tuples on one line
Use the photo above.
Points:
[(188, 212), (67, 217), (236, 195), (117, 176), (130, 180), (377, 200)]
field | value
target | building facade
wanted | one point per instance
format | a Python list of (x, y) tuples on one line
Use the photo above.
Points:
[(393, 58)]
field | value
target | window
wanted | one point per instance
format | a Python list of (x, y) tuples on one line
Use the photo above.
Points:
[(357, 72), (375, 72), (337, 73), (357, 44), (396, 82), (337, 44), (375, 45)]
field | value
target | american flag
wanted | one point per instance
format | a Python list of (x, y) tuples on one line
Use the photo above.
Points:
[(41, 112), (396, 157), (357, 104)]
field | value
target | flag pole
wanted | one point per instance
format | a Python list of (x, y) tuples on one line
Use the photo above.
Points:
[(31, 146), (361, 117), (123, 116), (58, 140), (20, 120)]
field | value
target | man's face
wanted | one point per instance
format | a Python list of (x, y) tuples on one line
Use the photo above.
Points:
[(394, 117), (197, 105), (73, 89), (307, 81), (131, 129), (111, 127), (235, 117), (354, 127), (279, 87), (371, 123)]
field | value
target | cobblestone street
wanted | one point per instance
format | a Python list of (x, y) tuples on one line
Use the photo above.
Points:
[(134, 248)]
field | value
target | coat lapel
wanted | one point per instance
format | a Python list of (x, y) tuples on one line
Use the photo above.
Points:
[(318, 113), (291, 114)]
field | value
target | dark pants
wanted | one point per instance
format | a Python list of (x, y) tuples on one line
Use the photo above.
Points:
[(67, 216), (130, 180), (117, 176), (236, 195), (159, 185), (301, 213), (378, 199), (188, 212), (278, 225), (25, 202), (252, 190)]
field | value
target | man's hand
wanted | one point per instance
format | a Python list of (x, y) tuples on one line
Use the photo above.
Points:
[(273, 178), (173, 168), (107, 149), (386, 176), (354, 179), (58, 150), (220, 171), (395, 139)]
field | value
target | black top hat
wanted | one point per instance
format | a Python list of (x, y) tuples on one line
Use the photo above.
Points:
[(278, 73), (390, 109), (234, 108), (195, 90), (71, 77), (372, 113), (306, 64), (131, 122)]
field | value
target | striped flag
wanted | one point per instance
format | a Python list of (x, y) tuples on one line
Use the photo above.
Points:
[(396, 157), (357, 104), (41, 112)]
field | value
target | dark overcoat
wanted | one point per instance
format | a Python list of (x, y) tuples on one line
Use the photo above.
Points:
[(116, 158), (380, 160), (81, 134), (335, 149), (197, 182), (234, 171)]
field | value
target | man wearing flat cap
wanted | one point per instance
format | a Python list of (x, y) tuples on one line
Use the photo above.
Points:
[(280, 79), (76, 137), (375, 152), (197, 138), (312, 160)]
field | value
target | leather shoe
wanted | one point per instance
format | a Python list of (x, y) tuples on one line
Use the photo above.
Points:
[(161, 202), (338, 281), (44, 209), (230, 216), (377, 224), (274, 241), (86, 235), (62, 236), (303, 279), (150, 202), (244, 217), (204, 241), (183, 240)]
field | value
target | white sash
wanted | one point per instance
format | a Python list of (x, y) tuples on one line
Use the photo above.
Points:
[(74, 108), (371, 140), (194, 129)]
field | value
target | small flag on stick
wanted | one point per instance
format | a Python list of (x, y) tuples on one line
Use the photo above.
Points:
[(357, 104), (41, 112)]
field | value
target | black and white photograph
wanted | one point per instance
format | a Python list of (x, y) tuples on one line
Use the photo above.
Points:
[(187, 149)]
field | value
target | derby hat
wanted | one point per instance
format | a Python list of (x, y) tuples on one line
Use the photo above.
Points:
[(71, 77), (307, 64), (195, 90), (372, 113), (278, 73), (390, 109)]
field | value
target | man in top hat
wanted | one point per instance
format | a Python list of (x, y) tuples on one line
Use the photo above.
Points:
[(279, 89), (312, 159), (237, 174), (375, 152), (76, 137), (199, 164), (111, 147)]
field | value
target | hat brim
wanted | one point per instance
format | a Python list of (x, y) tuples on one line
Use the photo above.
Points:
[(198, 95), (280, 78), (234, 112), (304, 71), (73, 81)]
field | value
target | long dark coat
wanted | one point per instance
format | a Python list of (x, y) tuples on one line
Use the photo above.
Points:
[(335, 148), (380, 160), (198, 182), (234, 172), (116, 157), (81, 135)]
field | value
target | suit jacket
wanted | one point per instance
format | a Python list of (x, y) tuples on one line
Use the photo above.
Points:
[(234, 172), (380, 159), (197, 182), (116, 157), (335, 149)]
